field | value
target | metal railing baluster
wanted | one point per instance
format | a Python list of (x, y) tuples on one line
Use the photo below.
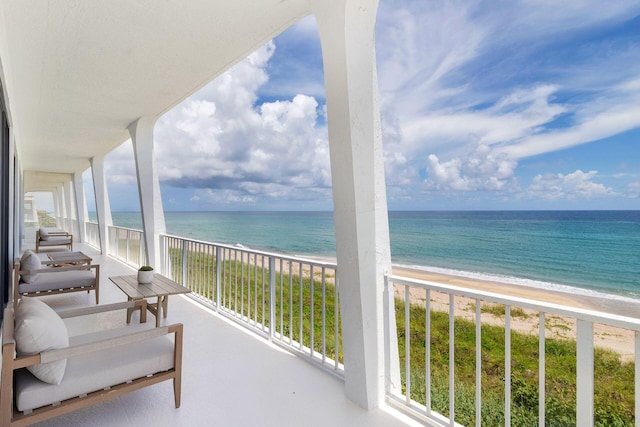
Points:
[(427, 340), (584, 373), (281, 295), (407, 346), (301, 307), (541, 369), (507, 365), (478, 363), (637, 373), (272, 298), (290, 303), (452, 403), (311, 312), (324, 317)]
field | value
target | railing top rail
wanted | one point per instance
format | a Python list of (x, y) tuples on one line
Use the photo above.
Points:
[(546, 307), (315, 263), (125, 228)]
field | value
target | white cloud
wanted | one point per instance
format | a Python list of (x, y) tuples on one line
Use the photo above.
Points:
[(446, 175), (454, 75), (219, 139), (512, 118), (468, 89), (617, 111), (575, 185), (480, 170), (120, 166), (633, 190), (231, 149)]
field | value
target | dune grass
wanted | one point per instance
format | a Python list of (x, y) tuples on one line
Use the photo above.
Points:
[(614, 389), (245, 290)]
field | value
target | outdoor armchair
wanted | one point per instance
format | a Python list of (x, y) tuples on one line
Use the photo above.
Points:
[(53, 238), (34, 277), (66, 373)]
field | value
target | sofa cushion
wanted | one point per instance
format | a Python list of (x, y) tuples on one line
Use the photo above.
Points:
[(98, 370), (38, 328), (54, 280), (30, 261), (44, 234), (56, 241)]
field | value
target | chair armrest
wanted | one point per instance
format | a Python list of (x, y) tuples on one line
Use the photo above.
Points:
[(101, 345), (8, 327), (142, 303)]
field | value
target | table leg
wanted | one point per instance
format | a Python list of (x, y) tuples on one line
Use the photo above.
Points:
[(129, 312), (143, 315), (158, 311), (165, 305)]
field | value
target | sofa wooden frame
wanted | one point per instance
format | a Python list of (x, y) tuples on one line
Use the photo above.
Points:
[(53, 270), (10, 416)]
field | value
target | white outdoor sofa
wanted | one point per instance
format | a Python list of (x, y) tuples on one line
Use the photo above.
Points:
[(34, 277), (54, 374), (46, 238)]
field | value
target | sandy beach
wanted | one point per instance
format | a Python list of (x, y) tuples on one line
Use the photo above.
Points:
[(609, 337)]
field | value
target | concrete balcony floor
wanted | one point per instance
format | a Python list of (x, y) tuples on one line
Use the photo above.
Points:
[(231, 377)]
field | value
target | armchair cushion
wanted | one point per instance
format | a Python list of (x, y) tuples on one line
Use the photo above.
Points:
[(54, 280), (38, 328), (44, 234), (94, 371), (30, 261)]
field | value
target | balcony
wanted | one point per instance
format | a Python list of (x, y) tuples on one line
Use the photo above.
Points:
[(235, 281), (231, 376)]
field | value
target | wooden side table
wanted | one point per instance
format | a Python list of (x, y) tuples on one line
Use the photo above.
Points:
[(160, 288)]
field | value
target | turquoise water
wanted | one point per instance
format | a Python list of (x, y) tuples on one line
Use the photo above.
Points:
[(593, 250)]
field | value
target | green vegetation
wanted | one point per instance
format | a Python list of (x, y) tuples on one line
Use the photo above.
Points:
[(46, 220), (245, 290), (244, 287), (498, 311), (614, 400)]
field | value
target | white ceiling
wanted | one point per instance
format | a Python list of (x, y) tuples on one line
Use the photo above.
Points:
[(77, 73)]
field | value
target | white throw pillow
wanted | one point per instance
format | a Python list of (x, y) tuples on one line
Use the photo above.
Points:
[(38, 328), (30, 261), (44, 234)]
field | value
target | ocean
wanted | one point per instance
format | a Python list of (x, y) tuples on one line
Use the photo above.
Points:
[(589, 252)]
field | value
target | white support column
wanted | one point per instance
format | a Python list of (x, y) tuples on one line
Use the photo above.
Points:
[(59, 202), (360, 207), (103, 209), (62, 221), (141, 132), (69, 203), (81, 205)]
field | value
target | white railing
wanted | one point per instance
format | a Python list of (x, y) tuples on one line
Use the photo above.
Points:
[(92, 234), (269, 293), (127, 245), (430, 393)]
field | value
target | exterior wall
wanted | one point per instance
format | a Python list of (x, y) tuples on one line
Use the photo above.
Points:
[(6, 204)]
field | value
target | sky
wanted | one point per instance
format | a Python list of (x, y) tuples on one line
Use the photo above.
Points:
[(502, 104)]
